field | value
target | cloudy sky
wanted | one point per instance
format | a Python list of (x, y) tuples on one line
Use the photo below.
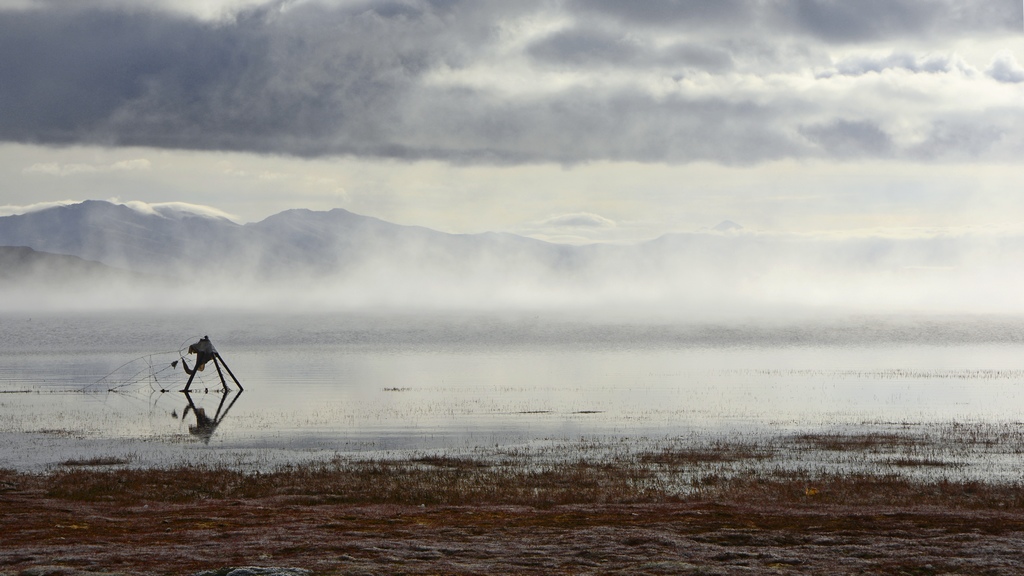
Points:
[(570, 120)]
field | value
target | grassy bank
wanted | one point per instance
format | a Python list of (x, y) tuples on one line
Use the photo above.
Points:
[(738, 474), (719, 508)]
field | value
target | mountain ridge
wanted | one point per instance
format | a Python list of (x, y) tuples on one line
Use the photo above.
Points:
[(337, 258), (295, 241)]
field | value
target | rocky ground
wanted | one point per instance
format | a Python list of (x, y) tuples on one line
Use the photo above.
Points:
[(46, 531)]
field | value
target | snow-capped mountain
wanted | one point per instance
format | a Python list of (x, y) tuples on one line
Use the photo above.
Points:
[(304, 242), (117, 235)]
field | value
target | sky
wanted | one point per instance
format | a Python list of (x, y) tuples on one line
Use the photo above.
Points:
[(567, 120)]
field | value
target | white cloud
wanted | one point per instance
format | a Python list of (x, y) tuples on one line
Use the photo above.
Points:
[(165, 209), (577, 220), (175, 209), (573, 228), (71, 169), (211, 10), (12, 210), (860, 64), (130, 165)]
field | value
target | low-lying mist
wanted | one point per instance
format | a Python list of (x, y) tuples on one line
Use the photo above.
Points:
[(697, 277)]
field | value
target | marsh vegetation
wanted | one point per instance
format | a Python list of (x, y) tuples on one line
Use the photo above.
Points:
[(681, 508)]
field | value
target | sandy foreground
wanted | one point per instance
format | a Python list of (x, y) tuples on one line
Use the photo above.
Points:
[(88, 522)]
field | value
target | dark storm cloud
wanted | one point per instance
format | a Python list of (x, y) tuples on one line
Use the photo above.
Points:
[(315, 79), (271, 80), (961, 136), (65, 73), (582, 124), (836, 21), (843, 21), (673, 13), (699, 56), (586, 47), (849, 139)]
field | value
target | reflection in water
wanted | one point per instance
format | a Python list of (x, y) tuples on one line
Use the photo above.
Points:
[(205, 426)]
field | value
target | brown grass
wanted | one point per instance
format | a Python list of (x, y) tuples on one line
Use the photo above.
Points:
[(717, 452), (870, 442), (649, 479), (97, 461), (720, 511), (919, 462)]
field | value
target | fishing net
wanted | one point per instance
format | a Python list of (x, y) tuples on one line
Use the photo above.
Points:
[(157, 372)]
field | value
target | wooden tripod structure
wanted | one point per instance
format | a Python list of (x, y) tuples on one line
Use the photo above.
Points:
[(205, 352)]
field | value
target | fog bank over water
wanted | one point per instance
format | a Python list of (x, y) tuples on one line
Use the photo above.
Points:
[(301, 260), (621, 281)]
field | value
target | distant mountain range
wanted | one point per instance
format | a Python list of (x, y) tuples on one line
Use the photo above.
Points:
[(340, 256), (293, 242)]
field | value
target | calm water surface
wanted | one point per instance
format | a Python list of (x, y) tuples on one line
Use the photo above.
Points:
[(351, 384)]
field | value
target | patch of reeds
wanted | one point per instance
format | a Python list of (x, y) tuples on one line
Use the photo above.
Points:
[(869, 442), (859, 489), (96, 461), (468, 482), (716, 452), (919, 462), (441, 461)]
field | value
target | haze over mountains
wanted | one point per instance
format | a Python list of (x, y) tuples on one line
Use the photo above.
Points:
[(20, 262), (301, 258), (177, 242)]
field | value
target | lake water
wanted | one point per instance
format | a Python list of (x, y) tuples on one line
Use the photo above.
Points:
[(82, 386)]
